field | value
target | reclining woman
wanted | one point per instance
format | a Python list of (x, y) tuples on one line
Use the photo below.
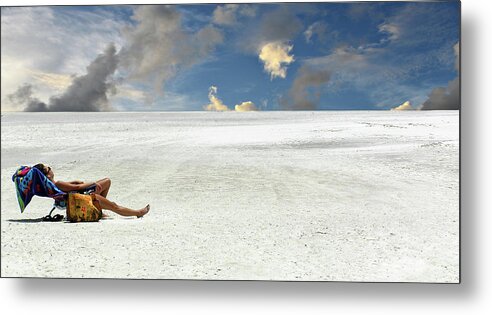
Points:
[(101, 191)]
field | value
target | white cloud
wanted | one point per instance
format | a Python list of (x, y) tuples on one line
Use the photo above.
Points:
[(245, 107), (216, 104), (391, 29), (275, 57), (405, 106)]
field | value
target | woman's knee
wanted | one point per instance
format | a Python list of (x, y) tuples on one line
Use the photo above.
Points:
[(105, 181)]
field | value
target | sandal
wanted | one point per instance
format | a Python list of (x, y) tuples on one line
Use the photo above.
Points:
[(55, 218)]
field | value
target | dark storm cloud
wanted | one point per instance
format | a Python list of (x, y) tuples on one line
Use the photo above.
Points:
[(446, 98), (280, 25), (86, 93), (23, 96), (89, 92), (304, 93), (158, 46)]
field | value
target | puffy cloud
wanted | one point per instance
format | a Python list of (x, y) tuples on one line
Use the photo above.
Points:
[(275, 57), (158, 46), (215, 103), (270, 39), (300, 96), (245, 107), (405, 106), (277, 29)]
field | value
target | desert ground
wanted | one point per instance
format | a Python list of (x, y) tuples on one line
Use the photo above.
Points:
[(311, 196)]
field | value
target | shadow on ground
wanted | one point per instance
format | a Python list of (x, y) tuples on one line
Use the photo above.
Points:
[(42, 219)]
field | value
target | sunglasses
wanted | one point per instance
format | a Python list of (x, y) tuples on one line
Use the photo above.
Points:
[(48, 169)]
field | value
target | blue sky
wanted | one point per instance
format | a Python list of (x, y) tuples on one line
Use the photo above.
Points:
[(318, 56)]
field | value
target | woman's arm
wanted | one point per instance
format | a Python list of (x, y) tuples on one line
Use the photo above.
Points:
[(69, 186)]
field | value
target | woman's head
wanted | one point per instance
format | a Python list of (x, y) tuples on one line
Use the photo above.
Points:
[(46, 170)]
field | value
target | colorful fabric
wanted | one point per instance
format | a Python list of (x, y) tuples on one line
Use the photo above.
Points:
[(81, 208), (30, 182)]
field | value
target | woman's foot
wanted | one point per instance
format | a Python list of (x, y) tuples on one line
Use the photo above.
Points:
[(144, 211)]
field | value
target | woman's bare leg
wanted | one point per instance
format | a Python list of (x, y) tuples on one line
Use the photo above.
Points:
[(110, 205), (105, 185)]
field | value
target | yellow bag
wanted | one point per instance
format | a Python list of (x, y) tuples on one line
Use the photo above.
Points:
[(82, 208)]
